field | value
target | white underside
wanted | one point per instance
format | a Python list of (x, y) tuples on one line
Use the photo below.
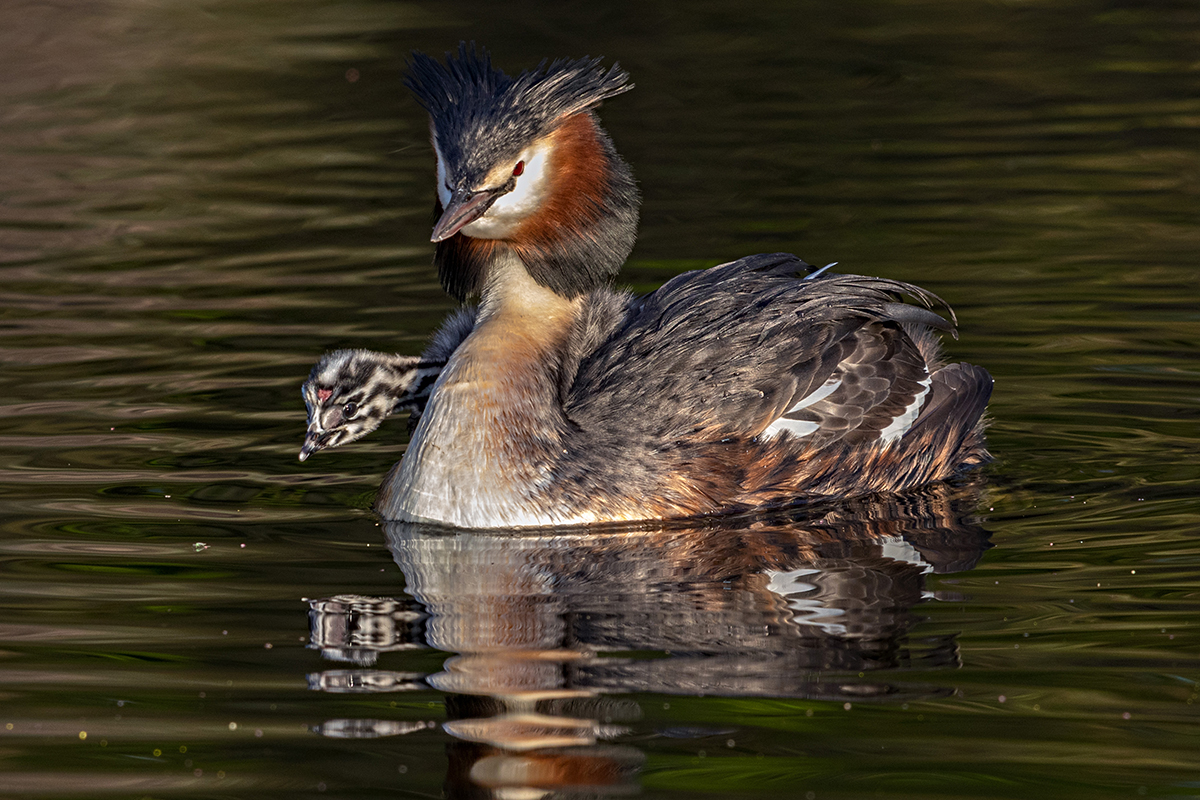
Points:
[(454, 472), (452, 475)]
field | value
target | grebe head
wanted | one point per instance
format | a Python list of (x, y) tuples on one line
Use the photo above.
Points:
[(350, 392), (523, 165)]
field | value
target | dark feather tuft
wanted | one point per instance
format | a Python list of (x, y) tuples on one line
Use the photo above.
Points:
[(481, 115)]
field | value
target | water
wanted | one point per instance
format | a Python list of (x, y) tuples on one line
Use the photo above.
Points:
[(199, 199)]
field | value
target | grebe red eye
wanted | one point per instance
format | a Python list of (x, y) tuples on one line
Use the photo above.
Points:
[(519, 168)]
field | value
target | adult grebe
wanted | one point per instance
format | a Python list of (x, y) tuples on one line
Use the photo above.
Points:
[(560, 401)]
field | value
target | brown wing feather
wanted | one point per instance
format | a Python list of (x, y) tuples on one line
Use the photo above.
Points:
[(732, 349), (880, 375), (672, 401)]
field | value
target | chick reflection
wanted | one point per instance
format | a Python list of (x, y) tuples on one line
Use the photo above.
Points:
[(551, 627)]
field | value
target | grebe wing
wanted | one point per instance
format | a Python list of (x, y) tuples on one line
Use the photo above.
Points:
[(751, 349)]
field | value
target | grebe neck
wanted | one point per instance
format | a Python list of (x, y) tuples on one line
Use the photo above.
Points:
[(494, 426)]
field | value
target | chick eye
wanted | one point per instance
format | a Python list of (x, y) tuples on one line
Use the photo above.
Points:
[(350, 409), (519, 168)]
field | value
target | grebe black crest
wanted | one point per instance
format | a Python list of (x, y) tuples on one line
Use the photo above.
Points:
[(507, 147), (558, 401)]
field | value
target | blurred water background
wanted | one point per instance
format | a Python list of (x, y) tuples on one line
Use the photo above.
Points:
[(198, 198)]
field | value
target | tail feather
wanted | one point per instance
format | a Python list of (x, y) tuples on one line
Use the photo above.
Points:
[(953, 415)]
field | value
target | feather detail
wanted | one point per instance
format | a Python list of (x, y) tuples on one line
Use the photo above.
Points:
[(481, 116)]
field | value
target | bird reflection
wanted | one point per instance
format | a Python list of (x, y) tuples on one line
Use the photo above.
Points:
[(551, 628)]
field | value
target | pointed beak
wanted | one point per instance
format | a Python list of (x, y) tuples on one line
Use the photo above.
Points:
[(313, 441), (464, 208)]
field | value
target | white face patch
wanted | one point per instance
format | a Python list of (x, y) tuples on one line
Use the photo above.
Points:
[(443, 191), (513, 208)]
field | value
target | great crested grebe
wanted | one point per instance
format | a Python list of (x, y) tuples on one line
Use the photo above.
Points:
[(560, 401), (350, 392)]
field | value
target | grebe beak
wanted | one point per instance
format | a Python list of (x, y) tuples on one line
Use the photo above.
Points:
[(465, 207)]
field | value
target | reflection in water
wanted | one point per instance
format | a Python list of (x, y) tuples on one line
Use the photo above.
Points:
[(549, 626), (357, 629)]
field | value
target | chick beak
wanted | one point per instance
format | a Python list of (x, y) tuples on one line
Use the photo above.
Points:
[(465, 207), (313, 441)]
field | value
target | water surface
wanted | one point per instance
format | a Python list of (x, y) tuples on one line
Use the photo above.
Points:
[(199, 199)]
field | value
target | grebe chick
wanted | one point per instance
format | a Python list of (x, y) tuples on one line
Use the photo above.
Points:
[(349, 393), (742, 386)]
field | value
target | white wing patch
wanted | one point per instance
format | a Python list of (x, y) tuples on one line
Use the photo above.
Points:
[(800, 427), (803, 599), (806, 594), (827, 388), (892, 433), (796, 427), (898, 549), (900, 425)]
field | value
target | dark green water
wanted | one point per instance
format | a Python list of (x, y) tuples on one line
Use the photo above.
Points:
[(197, 199)]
